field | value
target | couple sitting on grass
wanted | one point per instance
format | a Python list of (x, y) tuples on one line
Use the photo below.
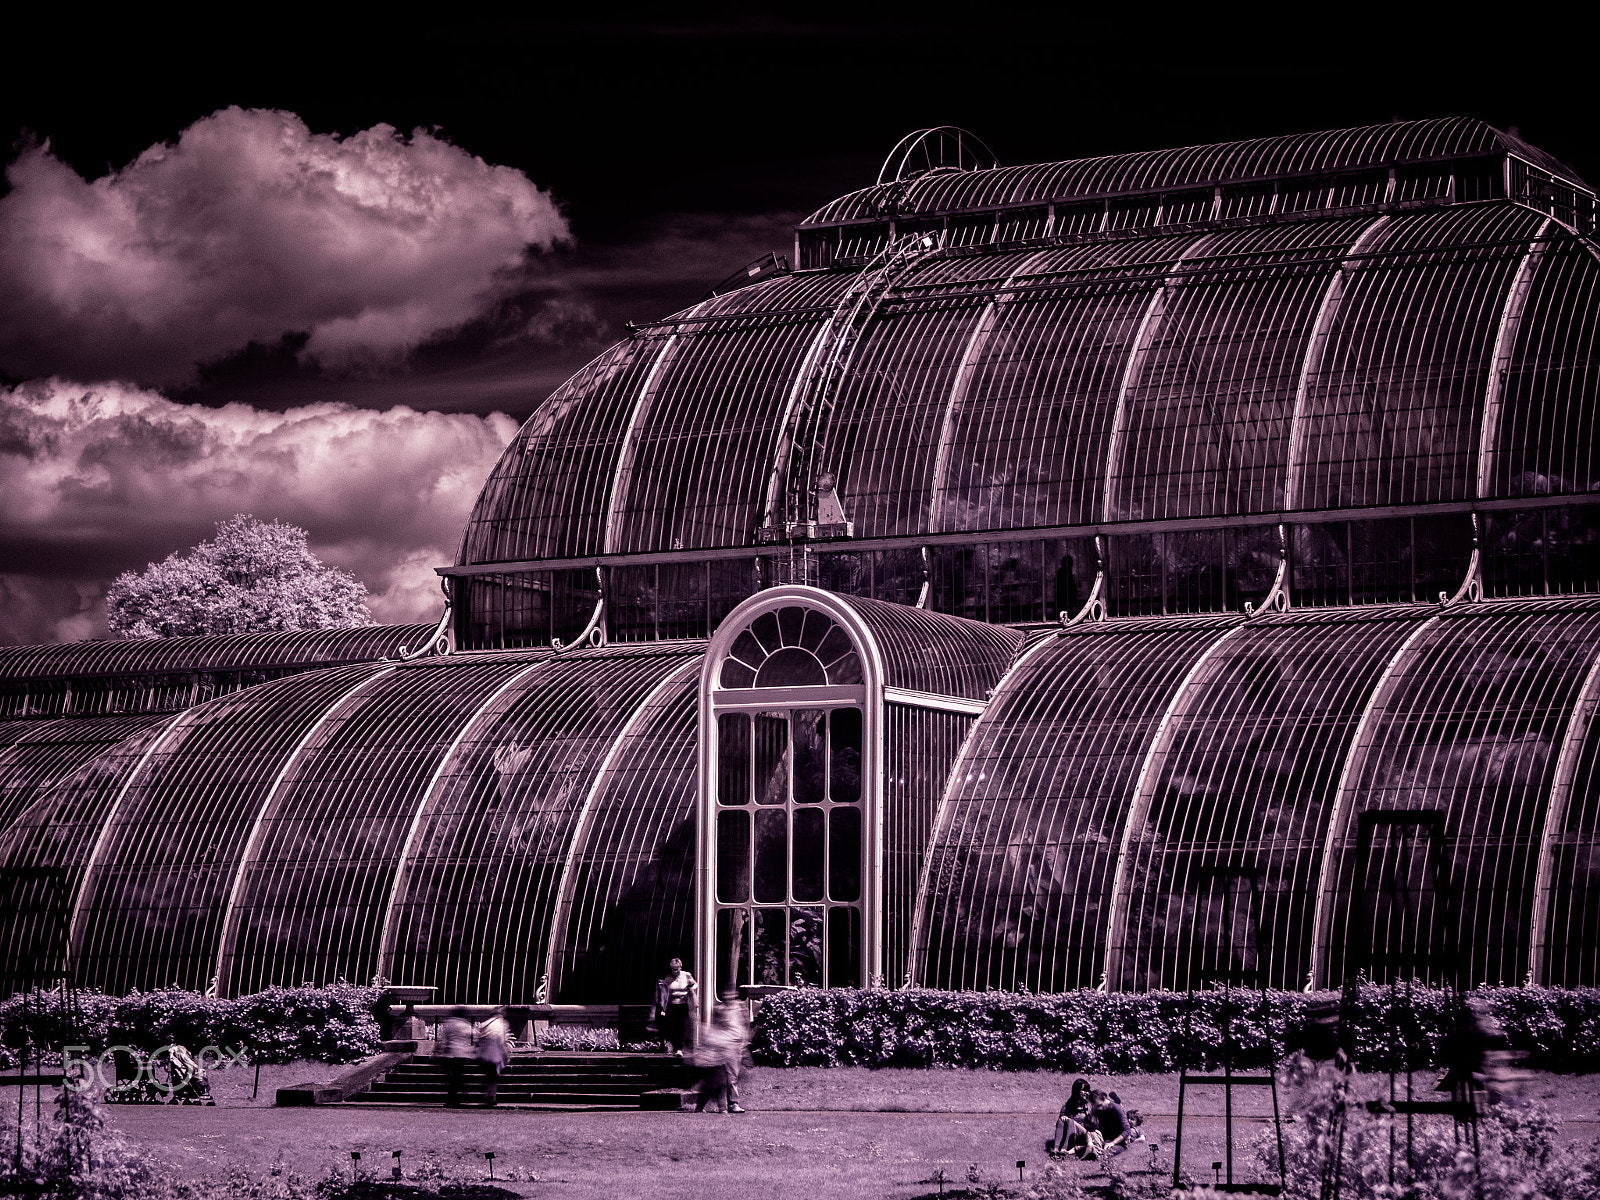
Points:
[(1092, 1122)]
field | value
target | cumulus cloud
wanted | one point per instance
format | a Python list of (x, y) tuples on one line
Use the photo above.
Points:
[(248, 227), (97, 479)]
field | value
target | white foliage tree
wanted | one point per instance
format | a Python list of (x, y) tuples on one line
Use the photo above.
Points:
[(253, 577)]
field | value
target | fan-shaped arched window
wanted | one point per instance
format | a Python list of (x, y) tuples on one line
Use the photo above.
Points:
[(793, 647)]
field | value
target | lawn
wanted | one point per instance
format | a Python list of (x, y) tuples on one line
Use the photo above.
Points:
[(811, 1133)]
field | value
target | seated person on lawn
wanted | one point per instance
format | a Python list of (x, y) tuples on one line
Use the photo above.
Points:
[(1104, 1127)]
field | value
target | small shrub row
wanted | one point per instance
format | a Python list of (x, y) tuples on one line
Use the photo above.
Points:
[(330, 1024), (1119, 1033)]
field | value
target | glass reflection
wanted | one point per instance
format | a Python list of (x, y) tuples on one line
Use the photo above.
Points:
[(844, 858), (733, 759), (810, 756), (772, 744), (844, 755), (805, 947), (733, 857), (807, 883), (772, 855)]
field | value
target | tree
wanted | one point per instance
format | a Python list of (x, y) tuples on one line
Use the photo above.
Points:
[(252, 577)]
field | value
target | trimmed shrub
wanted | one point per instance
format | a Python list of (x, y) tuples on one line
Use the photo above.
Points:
[(1133, 1032), (330, 1024)]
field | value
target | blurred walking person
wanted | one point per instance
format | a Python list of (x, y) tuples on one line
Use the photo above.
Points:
[(455, 1047), (720, 1057), (493, 1050)]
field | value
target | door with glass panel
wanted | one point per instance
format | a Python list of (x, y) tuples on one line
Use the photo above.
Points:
[(789, 848)]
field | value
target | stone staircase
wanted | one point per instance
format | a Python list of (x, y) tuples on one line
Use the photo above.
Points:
[(549, 1079)]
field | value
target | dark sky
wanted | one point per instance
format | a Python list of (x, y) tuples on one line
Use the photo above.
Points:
[(673, 153), (649, 134)]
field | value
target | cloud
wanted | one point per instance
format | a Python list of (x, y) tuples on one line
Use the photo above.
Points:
[(97, 479), (249, 227)]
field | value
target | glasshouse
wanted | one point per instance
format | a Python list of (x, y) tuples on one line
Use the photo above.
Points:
[(1067, 575)]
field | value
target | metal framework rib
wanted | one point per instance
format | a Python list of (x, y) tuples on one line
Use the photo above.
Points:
[(602, 776), (977, 344), (1583, 715), (624, 472), (403, 860), (92, 862), (916, 959), (1500, 361), (1315, 346), (252, 845), (1339, 816), (1138, 348), (1185, 695)]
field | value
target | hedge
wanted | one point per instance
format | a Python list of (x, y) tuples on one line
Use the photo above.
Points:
[(1072, 1031), (331, 1024), (1132, 1032)]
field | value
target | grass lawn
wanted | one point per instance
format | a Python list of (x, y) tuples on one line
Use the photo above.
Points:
[(811, 1133)]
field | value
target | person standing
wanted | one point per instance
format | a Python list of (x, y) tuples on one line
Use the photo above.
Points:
[(494, 1052), (455, 1047), (677, 994)]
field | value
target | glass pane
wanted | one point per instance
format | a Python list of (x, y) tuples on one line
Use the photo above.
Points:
[(772, 762), (834, 645), (808, 853), (733, 759), (816, 628), (789, 622), (844, 862), (733, 857), (771, 936), (845, 670), (748, 649), (736, 675), (844, 755), (791, 667), (810, 755), (733, 949), (765, 628), (772, 854), (805, 946), (844, 947)]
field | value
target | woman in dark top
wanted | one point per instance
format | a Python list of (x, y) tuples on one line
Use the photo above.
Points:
[(1070, 1128)]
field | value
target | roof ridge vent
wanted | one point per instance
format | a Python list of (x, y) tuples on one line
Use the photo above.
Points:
[(941, 148)]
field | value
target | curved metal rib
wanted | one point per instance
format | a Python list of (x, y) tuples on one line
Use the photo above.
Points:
[(1500, 360), (1138, 350), (1139, 811), (252, 846), (563, 892), (1583, 715), (1339, 816), (1316, 344), (916, 958), (403, 859)]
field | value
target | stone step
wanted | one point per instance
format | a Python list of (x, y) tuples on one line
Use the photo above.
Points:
[(547, 1080)]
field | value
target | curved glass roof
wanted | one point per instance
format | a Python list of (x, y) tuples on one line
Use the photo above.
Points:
[(1402, 356), (36, 754), (1119, 763), (1025, 849), (1470, 722), (148, 656), (474, 905), (474, 821), (1397, 142)]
